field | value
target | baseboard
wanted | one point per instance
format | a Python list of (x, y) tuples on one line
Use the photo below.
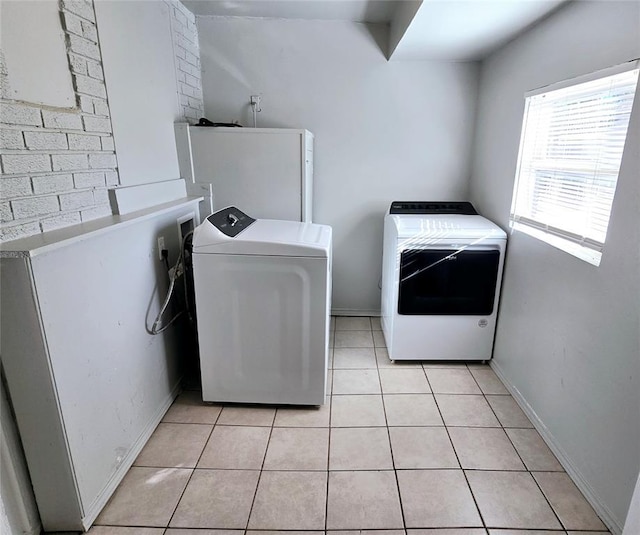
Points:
[(574, 473), (354, 312), (98, 504)]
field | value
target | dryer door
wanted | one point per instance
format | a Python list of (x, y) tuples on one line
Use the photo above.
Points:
[(443, 281)]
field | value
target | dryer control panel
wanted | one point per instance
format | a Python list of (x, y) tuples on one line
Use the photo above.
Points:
[(230, 221), (432, 207)]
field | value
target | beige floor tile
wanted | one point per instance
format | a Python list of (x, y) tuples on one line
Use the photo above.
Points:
[(290, 500), (466, 410), (240, 415), (404, 381), (376, 325), (454, 531), (268, 532), (354, 357), (422, 447), (437, 499), (378, 339), (357, 411), (533, 450), (145, 497), (511, 500), (122, 530), (452, 381), (330, 356), (329, 382), (217, 499), (489, 382), (235, 447), (332, 323), (484, 449), (297, 449), (451, 364), (360, 448), (356, 382), (585, 533), (180, 531), (527, 532), (411, 410), (304, 416), (353, 339), (568, 502), (508, 412), (367, 532), (174, 446), (382, 357), (363, 500), (188, 408), (353, 323)]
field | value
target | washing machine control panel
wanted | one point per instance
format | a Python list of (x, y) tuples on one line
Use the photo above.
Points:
[(230, 221)]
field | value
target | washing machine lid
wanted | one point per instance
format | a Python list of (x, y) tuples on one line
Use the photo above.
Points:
[(455, 226), (265, 237)]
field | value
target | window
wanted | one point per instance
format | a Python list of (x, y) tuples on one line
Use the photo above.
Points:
[(573, 136)]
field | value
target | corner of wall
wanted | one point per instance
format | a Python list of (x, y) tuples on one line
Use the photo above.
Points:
[(402, 19), (18, 511), (57, 163), (187, 61)]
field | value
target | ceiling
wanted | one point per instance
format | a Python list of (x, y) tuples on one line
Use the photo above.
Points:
[(353, 10), (457, 30)]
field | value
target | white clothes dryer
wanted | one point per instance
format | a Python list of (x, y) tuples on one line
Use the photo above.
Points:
[(441, 279), (262, 291)]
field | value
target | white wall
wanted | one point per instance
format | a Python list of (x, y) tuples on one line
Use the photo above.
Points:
[(632, 525), (18, 512), (568, 332), (37, 60), (142, 88), (383, 131)]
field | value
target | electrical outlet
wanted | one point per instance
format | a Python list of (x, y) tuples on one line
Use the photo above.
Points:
[(160, 247)]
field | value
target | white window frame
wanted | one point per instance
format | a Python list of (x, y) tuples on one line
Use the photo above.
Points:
[(579, 246)]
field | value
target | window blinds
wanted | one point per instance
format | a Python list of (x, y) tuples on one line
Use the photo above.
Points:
[(570, 153)]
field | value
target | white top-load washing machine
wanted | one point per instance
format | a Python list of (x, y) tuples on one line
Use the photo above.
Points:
[(441, 278), (262, 290)]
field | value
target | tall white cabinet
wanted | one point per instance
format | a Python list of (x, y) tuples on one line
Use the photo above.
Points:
[(265, 172)]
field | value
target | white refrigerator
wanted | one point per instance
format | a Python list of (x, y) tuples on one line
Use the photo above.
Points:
[(265, 172)]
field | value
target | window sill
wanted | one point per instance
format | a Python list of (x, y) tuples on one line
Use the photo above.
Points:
[(575, 249)]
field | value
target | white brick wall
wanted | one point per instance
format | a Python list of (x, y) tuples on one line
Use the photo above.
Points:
[(187, 61), (15, 186), (52, 183), (57, 163), (11, 139)]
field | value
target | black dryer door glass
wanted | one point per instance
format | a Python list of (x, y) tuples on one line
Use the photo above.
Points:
[(446, 282)]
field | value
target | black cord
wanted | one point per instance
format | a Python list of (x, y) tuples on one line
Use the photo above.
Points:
[(187, 265), (207, 122)]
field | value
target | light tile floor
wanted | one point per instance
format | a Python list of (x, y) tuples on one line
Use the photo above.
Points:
[(399, 448)]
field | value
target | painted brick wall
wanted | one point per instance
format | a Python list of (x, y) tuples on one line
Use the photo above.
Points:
[(187, 55), (58, 163)]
